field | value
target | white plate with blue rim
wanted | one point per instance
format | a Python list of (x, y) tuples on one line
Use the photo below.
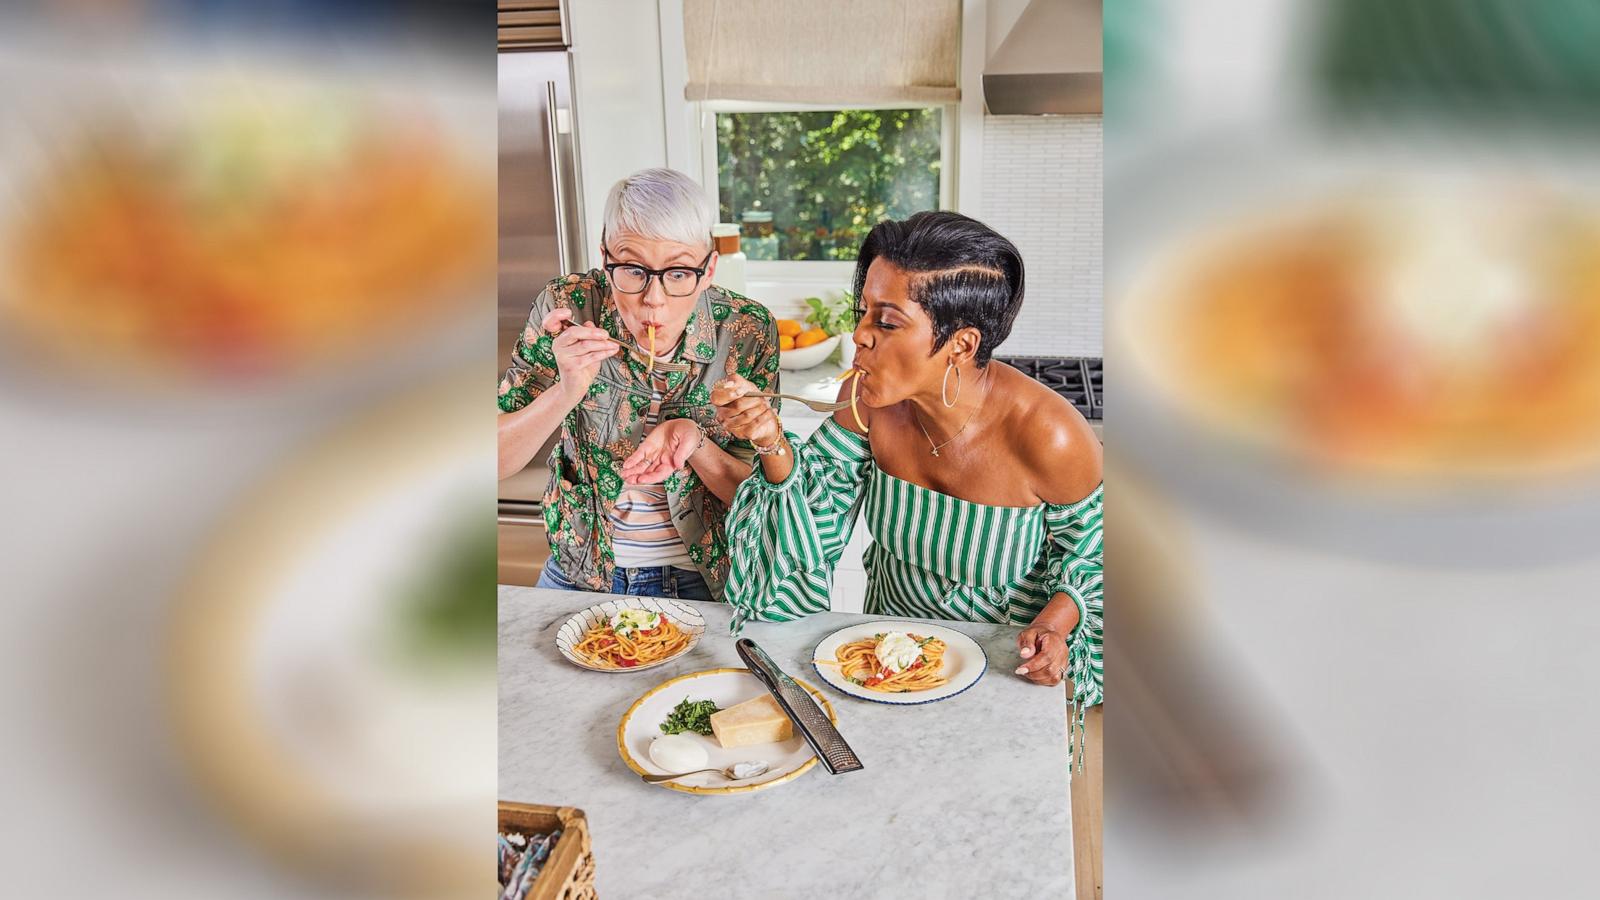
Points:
[(685, 617), (958, 668)]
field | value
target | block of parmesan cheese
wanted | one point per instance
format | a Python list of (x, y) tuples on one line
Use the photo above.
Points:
[(758, 721)]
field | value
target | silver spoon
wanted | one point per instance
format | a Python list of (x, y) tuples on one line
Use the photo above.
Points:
[(747, 770)]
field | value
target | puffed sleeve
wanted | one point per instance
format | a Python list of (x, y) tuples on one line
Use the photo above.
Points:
[(785, 538), (1076, 541)]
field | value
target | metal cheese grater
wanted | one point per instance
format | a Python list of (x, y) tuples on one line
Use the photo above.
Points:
[(796, 702)]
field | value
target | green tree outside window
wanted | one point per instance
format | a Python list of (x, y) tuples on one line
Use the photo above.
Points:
[(827, 177)]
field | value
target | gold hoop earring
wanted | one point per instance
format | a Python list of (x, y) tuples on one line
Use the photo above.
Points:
[(944, 385)]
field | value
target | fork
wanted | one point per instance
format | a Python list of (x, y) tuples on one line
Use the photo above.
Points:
[(822, 406), (643, 358)]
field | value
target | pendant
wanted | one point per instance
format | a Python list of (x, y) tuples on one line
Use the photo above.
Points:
[(935, 451)]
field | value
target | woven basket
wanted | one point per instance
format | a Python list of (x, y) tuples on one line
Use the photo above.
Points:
[(569, 872)]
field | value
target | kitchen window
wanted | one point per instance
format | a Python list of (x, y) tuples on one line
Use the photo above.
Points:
[(810, 125), (808, 184)]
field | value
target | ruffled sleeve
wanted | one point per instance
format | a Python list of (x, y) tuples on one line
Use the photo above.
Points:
[(1076, 568), (1077, 538), (785, 538)]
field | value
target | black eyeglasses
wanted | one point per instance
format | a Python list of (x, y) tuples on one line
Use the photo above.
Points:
[(677, 281)]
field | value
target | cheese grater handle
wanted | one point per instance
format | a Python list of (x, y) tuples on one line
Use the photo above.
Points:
[(797, 703)]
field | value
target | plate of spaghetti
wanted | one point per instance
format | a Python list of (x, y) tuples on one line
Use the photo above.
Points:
[(630, 635), (899, 662)]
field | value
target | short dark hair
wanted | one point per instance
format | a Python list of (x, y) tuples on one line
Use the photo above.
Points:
[(964, 274)]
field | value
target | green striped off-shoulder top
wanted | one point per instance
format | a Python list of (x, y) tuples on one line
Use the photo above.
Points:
[(932, 556)]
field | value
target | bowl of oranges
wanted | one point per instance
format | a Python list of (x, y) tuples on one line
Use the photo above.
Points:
[(803, 346), (808, 342)]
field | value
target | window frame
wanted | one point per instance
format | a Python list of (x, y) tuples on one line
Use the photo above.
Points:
[(685, 125), (809, 270)]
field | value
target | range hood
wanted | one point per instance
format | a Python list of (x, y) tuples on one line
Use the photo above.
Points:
[(1049, 64)]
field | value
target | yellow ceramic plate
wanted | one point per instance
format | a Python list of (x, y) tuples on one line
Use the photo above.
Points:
[(641, 724)]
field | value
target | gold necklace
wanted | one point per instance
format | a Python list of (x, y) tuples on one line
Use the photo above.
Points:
[(935, 450)]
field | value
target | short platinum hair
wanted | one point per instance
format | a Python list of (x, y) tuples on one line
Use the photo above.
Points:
[(660, 204)]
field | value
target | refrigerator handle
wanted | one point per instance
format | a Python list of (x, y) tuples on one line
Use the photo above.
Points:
[(557, 177)]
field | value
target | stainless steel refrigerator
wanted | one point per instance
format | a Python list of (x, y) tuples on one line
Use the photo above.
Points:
[(541, 236)]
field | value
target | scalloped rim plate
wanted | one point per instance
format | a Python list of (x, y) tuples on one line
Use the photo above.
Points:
[(682, 614)]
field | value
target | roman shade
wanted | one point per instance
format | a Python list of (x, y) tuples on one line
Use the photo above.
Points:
[(823, 51)]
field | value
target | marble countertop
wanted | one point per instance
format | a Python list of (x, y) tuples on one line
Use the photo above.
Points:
[(965, 797)]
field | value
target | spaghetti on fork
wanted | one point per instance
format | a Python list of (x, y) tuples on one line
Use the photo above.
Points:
[(851, 375)]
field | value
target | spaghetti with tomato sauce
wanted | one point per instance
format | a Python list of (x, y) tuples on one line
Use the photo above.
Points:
[(632, 638), (860, 663)]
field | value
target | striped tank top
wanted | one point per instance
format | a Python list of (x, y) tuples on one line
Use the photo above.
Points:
[(642, 533)]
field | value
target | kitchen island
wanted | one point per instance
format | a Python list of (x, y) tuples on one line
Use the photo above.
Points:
[(965, 797)]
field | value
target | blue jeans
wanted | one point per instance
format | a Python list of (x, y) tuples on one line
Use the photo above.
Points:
[(653, 581)]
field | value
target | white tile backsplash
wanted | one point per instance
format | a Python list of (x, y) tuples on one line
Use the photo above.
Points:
[(1042, 188)]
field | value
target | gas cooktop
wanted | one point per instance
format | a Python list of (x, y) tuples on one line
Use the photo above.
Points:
[(1077, 378)]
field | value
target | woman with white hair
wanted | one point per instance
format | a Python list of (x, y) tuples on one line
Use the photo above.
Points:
[(622, 359)]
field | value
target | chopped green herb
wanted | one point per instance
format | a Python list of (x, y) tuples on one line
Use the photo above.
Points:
[(690, 715)]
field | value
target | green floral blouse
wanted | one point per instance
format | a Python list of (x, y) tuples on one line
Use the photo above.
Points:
[(727, 333)]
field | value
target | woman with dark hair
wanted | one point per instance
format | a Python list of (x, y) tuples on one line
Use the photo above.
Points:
[(981, 487)]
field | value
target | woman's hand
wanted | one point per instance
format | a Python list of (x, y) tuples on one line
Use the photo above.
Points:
[(1044, 654), (579, 351), (1043, 645), (665, 450), (747, 418)]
